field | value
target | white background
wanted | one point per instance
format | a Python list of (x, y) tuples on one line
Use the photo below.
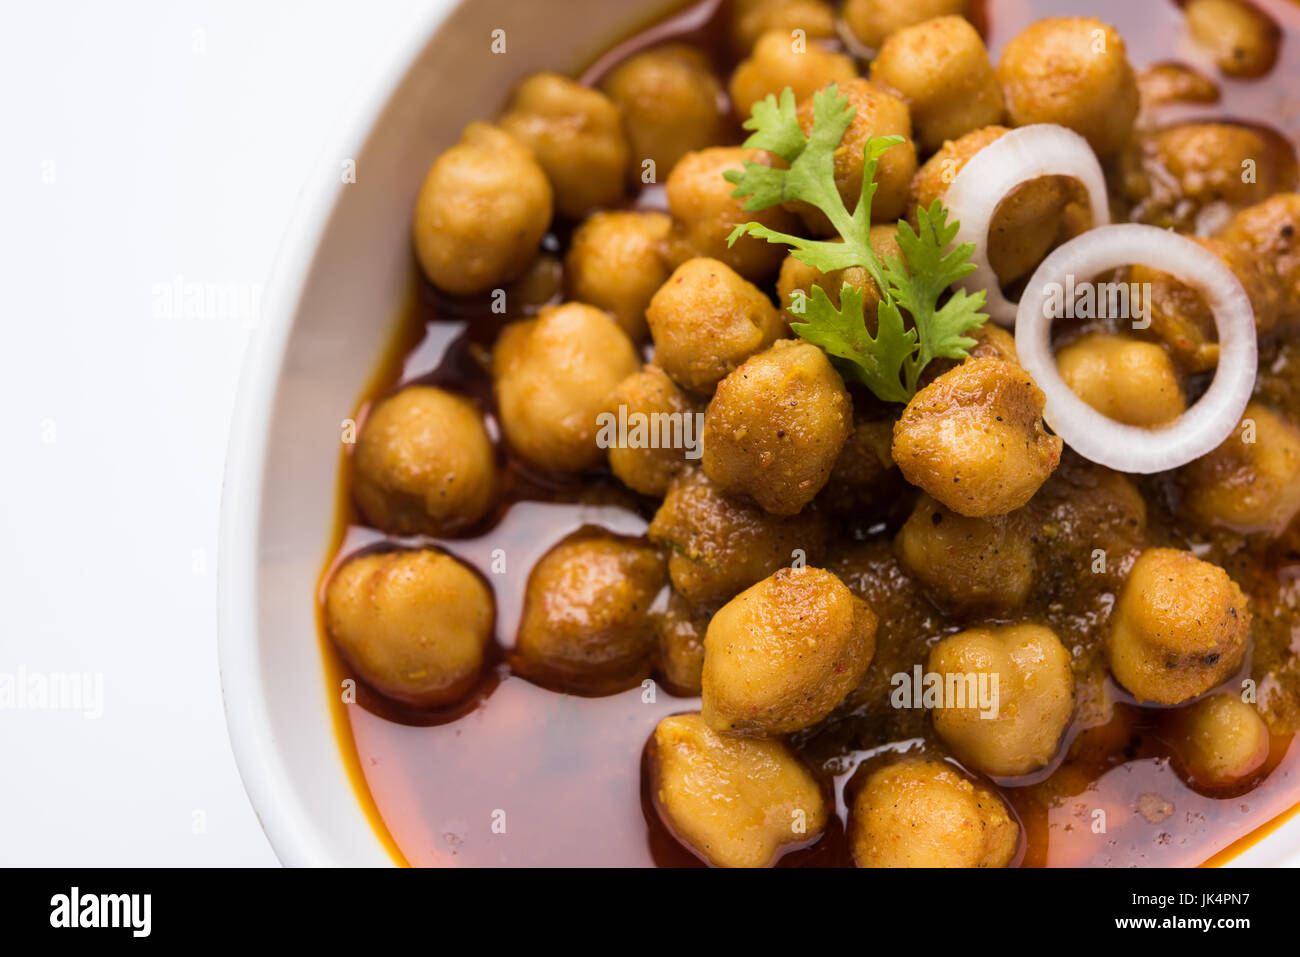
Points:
[(142, 142)]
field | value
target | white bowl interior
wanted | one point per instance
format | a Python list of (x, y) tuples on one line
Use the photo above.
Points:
[(344, 277)]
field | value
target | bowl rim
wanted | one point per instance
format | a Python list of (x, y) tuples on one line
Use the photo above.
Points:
[(262, 770)]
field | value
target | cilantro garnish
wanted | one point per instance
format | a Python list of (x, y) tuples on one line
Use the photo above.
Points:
[(889, 363)]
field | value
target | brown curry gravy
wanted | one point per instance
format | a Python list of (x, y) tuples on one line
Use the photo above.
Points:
[(565, 774)]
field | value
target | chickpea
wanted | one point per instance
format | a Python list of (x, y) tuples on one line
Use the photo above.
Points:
[(1164, 83), (643, 468), (776, 426), (1242, 40), (863, 475), (798, 276), (482, 212), (878, 112), (706, 320), (1267, 236), (1025, 226), (871, 21), (926, 813), (783, 653), (1030, 704), (974, 439), (750, 19), (1180, 319), (553, 378), (615, 264), (424, 464), (993, 342), (1129, 381), (705, 213), (1207, 160), (1180, 627), (736, 802), (681, 646), (1251, 482), (970, 563), (1222, 739), (587, 624), (1073, 71), (672, 104), (577, 135), (780, 60), (718, 546), (942, 70), (413, 624)]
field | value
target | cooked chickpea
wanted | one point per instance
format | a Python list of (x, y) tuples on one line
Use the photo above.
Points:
[(942, 70), (680, 658), (974, 439), (1126, 380), (750, 19), (797, 275), (553, 376), (587, 624), (424, 464), (482, 212), (577, 135), (1223, 740), (776, 425), (1267, 237), (1208, 159), (414, 624), (873, 20), (780, 59), (734, 801), (1017, 727), (1026, 224), (671, 103), (783, 653), (1073, 71), (706, 320), (1164, 83), (1180, 627), (647, 465), (615, 262), (1251, 482), (718, 546), (878, 112), (1242, 40), (968, 563), (926, 813), (993, 342), (705, 213), (863, 475)]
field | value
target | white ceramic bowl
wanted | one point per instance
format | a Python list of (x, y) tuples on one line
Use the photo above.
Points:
[(336, 295), (338, 288)]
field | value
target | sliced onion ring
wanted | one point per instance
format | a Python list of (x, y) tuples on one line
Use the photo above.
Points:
[(1016, 157), (1201, 428)]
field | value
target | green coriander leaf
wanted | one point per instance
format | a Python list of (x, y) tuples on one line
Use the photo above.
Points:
[(776, 127), (879, 361), (931, 268), (890, 362)]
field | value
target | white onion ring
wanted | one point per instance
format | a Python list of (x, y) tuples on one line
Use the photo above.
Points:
[(1021, 155), (1128, 448)]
